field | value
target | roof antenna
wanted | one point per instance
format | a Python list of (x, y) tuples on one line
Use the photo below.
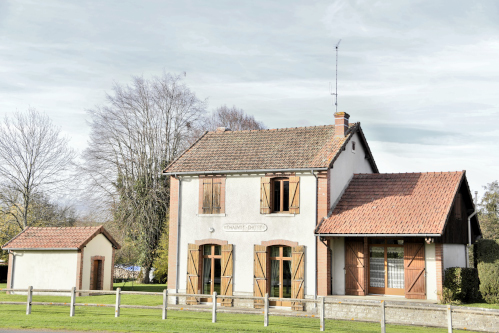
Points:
[(335, 94)]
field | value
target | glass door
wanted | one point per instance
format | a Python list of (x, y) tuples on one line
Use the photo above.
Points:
[(280, 274), (386, 266), (212, 269)]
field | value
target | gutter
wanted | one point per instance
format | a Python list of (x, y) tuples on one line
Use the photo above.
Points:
[(241, 171), (43, 249), (378, 235), (315, 242)]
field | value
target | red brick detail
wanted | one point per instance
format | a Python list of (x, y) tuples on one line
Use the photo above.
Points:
[(10, 271), (211, 241), (323, 251), (279, 242), (79, 270), (439, 253), (172, 234), (112, 270), (92, 259)]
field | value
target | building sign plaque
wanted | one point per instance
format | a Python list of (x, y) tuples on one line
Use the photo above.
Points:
[(245, 227)]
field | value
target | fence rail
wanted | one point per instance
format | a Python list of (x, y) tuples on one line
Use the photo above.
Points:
[(320, 303)]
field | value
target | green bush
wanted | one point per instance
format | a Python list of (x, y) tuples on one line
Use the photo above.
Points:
[(488, 269), (460, 285)]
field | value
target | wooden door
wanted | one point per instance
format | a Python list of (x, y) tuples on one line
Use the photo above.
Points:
[(355, 268), (414, 270), (227, 274), (298, 277), (260, 274), (97, 275), (192, 273)]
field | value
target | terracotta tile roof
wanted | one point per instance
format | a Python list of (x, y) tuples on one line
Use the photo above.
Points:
[(287, 148), (400, 203), (56, 238)]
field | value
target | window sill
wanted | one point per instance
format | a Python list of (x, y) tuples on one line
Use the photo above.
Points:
[(279, 215), (210, 215)]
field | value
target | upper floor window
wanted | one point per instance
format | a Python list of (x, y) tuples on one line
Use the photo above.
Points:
[(212, 195), (280, 195)]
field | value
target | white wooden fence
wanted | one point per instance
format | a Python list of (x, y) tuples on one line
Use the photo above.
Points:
[(320, 303)]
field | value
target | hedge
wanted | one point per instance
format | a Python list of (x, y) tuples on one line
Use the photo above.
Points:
[(488, 269), (461, 285)]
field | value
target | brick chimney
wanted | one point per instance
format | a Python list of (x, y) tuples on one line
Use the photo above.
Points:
[(340, 123), (222, 129)]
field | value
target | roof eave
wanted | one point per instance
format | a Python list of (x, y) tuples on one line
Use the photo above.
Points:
[(41, 249), (243, 171), (376, 235)]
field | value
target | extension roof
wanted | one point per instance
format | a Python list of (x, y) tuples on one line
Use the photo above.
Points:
[(271, 149), (394, 203), (53, 238)]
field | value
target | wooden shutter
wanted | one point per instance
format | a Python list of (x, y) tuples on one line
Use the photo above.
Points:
[(298, 276), (265, 196), (260, 275), (207, 195), (414, 270), (227, 274), (192, 273), (355, 268), (216, 193), (294, 195)]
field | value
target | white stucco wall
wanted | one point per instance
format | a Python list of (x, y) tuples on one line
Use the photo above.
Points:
[(346, 165), (45, 269), (243, 206), (98, 246), (431, 272), (338, 265), (454, 255)]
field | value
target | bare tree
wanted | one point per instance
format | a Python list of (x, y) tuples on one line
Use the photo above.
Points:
[(139, 131), (233, 118), (34, 159)]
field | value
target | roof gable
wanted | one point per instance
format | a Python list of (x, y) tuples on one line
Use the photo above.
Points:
[(274, 149), (404, 203), (68, 238)]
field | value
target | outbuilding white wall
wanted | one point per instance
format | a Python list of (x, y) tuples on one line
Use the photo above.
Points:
[(431, 272), (44, 269), (98, 246), (242, 202), (338, 265), (454, 255)]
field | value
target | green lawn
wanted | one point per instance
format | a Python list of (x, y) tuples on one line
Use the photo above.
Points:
[(143, 320)]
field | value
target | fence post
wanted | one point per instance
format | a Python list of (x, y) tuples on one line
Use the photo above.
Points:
[(30, 298), (214, 313), (118, 302), (383, 328), (266, 310), (73, 301), (165, 304), (449, 319), (323, 310)]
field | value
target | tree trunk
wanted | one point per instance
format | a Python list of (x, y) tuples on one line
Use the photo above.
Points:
[(145, 274)]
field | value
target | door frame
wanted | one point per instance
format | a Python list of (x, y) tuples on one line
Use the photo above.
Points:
[(211, 256), (385, 290)]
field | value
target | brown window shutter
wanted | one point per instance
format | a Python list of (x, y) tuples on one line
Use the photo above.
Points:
[(227, 274), (260, 275), (355, 267), (217, 193), (265, 196), (294, 195), (298, 276), (207, 195), (414, 271), (192, 273)]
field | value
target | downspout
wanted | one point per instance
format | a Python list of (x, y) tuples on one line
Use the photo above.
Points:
[(178, 232), (315, 242), (469, 234)]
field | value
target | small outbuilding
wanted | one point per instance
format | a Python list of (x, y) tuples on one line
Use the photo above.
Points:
[(61, 258)]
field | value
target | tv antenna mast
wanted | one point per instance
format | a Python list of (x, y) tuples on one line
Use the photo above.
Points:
[(335, 94)]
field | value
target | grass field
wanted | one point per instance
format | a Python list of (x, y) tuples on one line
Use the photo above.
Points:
[(143, 320)]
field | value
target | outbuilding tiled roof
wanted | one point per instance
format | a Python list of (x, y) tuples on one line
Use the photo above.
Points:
[(56, 238), (397, 203), (287, 148)]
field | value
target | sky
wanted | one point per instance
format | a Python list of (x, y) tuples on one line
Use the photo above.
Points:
[(422, 77)]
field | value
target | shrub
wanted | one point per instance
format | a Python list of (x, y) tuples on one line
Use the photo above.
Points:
[(488, 269), (460, 285)]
